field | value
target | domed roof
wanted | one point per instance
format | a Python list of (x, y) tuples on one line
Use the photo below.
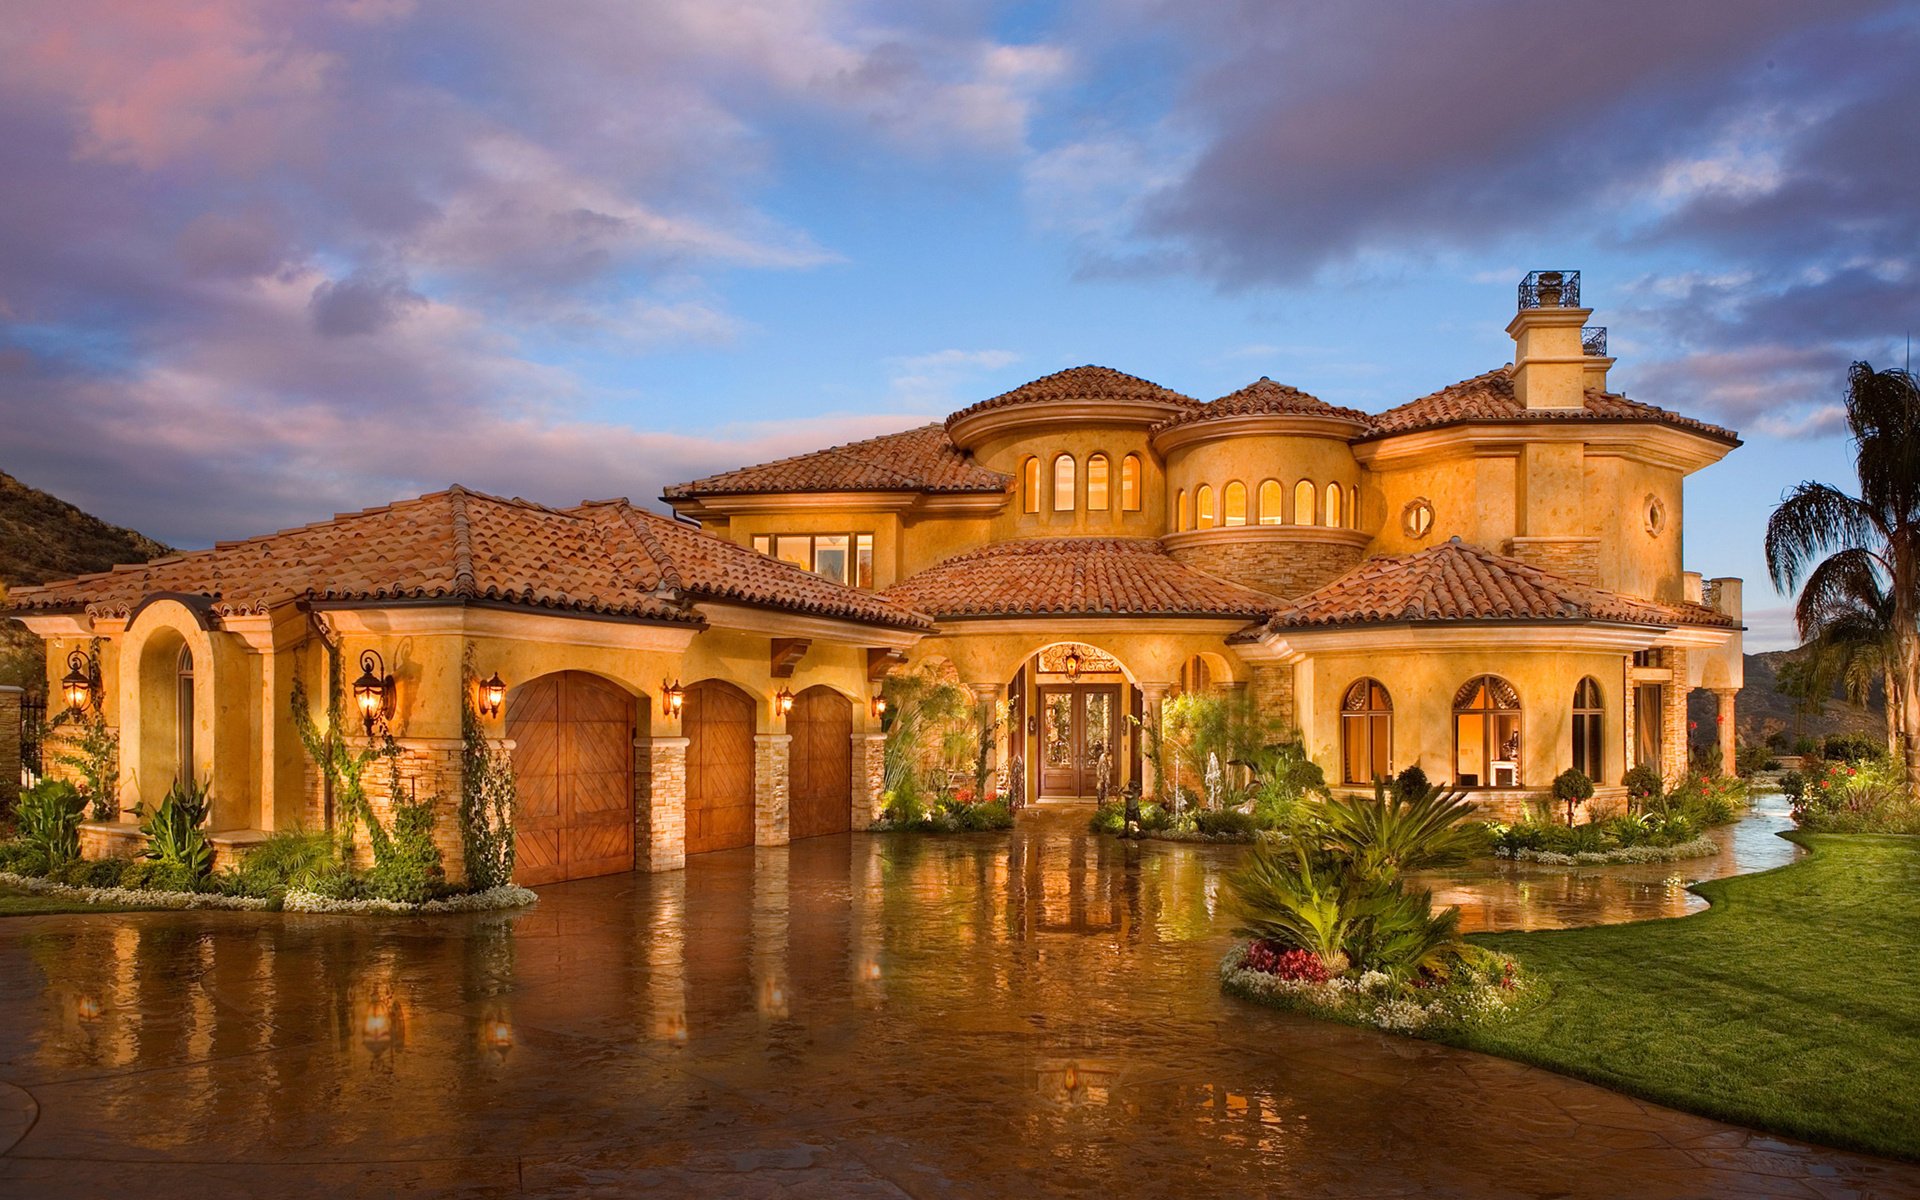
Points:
[(1264, 398), (1082, 385)]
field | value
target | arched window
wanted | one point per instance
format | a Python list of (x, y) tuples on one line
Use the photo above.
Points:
[(1334, 504), (1353, 507), (183, 715), (1203, 507), (1486, 734), (1097, 483), (1030, 485), (1181, 516), (1589, 751), (1234, 504), (1270, 500), (1063, 483), (1303, 502), (1366, 732), (1130, 483)]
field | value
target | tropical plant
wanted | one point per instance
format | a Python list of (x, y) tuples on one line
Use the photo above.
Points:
[(1644, 786), (930, 731), (176, 833), (1872, 541), (1398, 832), (1297, 897), (288, 858), (48, 820), (488, 789)]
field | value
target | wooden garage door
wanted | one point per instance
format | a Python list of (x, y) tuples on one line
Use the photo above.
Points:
[(821, 763), (718, 723), (573, 762)]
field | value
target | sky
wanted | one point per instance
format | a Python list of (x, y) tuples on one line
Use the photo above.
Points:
[(265, 260)]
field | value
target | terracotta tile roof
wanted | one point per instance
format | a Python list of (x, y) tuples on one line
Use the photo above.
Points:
[(916, 460), (1075, 576), (1490, 398), (461, 545), (1081, 383), (1264, 397), (1457, 582)]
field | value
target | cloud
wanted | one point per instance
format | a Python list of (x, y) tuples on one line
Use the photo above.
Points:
[(932, 382)]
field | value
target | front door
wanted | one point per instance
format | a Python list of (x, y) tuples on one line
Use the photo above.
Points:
[(1079, 728)]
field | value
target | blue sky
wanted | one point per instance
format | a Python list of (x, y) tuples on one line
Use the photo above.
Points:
[(260, 261)]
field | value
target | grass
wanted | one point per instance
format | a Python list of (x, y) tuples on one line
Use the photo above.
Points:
[(1789, 1005), (16, 903)]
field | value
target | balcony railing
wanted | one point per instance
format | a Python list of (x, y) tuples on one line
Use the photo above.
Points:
[(1593, 340), (1550, 289)]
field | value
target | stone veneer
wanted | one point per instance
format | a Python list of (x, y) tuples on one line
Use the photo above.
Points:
[(869, 778), (660, 841), (1271, 689), (1575, 558), (771, 780), (10, 700), (1263, 557), (429, 767)]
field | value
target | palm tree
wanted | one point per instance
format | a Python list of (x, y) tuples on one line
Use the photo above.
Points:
[(1875, 536), (1846, 620)]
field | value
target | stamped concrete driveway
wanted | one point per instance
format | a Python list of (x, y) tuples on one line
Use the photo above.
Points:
[(852, 1016)]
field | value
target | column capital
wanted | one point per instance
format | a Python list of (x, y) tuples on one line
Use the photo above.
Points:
[(1153, 692), (987, 691)]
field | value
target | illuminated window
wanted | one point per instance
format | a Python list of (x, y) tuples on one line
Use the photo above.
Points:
[(1303, 502), (842, 557), (1063, 483), (1097, 483), (1030, 485), (1180, 515), (1234, 504), (1486, 734), (1589, 755), (1334, 504), (1353, 508), (1271, 498), (1130, 483), (183, 715), (1366, 733), (1203, 507)]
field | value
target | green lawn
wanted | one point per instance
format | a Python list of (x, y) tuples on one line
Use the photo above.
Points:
[(1792, 1005)]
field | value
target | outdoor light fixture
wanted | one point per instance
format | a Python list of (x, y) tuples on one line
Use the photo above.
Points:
[(78, 685), (783, 702), (373, 691), (493, 694), (673, 698), (879, 706), (1073, 664)]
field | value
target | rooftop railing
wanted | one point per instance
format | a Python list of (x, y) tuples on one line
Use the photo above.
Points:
[(1550, 289), (1593, 340)]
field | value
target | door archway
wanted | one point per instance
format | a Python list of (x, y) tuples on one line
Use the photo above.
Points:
[(572, 738), (718, 723), (820, 762)]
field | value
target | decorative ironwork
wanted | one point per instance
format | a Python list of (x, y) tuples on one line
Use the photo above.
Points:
[(1593, 340), (1498, 695), (33, 722), (1550, 289)]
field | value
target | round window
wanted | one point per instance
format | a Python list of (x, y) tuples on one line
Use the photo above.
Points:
[(1656, 515), (1417, 518)]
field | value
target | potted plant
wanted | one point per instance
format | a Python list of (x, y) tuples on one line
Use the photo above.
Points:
[(1571, 787)]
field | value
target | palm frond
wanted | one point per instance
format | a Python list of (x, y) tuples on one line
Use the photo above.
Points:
[(1813, 520)]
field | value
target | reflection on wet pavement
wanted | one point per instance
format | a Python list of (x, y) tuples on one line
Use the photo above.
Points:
[(849, 1016)]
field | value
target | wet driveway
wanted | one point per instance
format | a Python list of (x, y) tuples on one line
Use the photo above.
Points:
[(852, 1016)]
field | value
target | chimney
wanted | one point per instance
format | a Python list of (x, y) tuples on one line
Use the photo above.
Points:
[(1550, 362)]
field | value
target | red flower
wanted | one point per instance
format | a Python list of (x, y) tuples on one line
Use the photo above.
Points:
[(1287, 964)]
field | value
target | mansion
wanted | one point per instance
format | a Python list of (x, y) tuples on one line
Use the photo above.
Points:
[(1486, 582)]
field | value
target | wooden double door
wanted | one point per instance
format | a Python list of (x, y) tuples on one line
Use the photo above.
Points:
[(820, 763), (573, 762), (718, 723), (1079, 724)]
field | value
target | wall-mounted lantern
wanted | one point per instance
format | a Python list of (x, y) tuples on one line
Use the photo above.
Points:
[(783, 702), (78, 685), (493, 695), (673, 698), (1073, 665), (373, 692), (879, 705)]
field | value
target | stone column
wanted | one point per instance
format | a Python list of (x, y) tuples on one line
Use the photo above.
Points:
[(10, 699), (1271, 689), (1151, 696), (771, 788), (986, 696), (869, 778), (1676, 740), (1725, 718), (661, 835)]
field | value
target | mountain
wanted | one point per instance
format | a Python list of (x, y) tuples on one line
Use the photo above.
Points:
[(1760, 709), (43, 537)]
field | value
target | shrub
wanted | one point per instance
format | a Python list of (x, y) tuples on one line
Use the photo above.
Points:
[(1227, 823), (106, 872), (1643, 786), (1706, 799), (288, 859), (1852, 748), (175, 837), (1806, 746), (1275, 959), (48, 820), (1750, 760), (1866, 797), (1794, 784), (1392, 834), (409, 870), (23, 857), (1411, 782)]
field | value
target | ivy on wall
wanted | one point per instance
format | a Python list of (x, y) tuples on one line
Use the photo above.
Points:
[(487, 793)]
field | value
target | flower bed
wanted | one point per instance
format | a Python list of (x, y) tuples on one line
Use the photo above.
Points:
[(487, 901), (1475, 990), (131, 897), (957, 816), (293, 901), (1697, 848)]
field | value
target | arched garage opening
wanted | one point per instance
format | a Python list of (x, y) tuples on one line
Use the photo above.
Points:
[(573, 760), (718, 723), (820, 762)]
